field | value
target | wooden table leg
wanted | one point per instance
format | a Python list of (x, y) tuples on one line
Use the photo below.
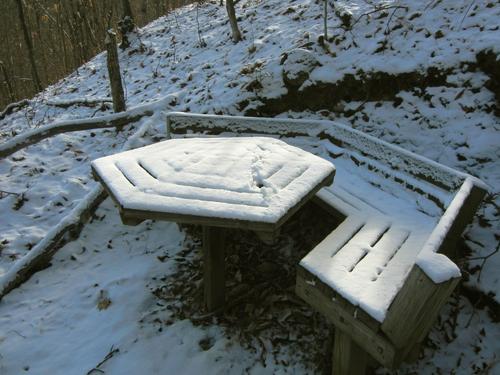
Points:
[(214, 267), (348, 357)]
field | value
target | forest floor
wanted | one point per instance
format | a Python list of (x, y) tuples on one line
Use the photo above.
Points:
[(121, 300)]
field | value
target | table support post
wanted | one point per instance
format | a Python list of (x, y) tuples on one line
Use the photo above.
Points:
[(214, 267), (348, 357)]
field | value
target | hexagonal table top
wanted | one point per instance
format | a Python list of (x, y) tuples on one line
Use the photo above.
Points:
[(247, 182)]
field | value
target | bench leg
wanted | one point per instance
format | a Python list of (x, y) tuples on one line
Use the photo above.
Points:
[(348, 357), (214, 267), (413, 353)]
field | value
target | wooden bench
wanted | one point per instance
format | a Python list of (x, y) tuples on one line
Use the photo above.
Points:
[(382, 276)]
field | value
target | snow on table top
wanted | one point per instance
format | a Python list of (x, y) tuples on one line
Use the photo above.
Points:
[(252, 179)]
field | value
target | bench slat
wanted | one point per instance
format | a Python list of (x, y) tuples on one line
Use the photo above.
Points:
[(380, 254)]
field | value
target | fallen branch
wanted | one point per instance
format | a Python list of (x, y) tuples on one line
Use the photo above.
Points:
[(115, 120), (12, 107), (39, 257), (81, 102), (484, 259), (66, 230)]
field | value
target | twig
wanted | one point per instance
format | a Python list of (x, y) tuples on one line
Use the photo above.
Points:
[(466, 12), (378, 9), (474, 307), (387, 31), (17, 333), (430, 3), (110, 354), (4, 193), (484, 259)]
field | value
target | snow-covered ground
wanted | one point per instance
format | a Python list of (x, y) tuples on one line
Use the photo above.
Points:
[(96, 297)]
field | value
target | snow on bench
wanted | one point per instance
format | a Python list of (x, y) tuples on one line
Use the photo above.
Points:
[(383, 274)]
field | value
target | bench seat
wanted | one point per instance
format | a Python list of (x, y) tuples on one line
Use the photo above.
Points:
[(368, 257)]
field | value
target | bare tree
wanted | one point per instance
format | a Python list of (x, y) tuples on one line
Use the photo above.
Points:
[(61, 34), (325, 18), (29, 46), (201, 41), (126, 25), (236, 35), (7, 81)]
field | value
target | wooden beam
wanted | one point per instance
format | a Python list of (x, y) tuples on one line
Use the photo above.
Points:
[(348, 358), (214, 267), (367, 337), (415, 308), (129, 215)]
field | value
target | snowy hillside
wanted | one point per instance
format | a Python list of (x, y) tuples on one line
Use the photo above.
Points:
[(423, 75)]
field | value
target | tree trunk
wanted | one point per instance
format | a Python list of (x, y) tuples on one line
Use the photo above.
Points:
[(236, 35), (29, 45), (127, 10), (126, 25), (115, 78), (325, 23), (7, 82)]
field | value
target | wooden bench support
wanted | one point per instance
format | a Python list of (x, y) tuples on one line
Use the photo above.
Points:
[(348, 357), (338, 313), (415, 309), (214, 267), (130, 221)]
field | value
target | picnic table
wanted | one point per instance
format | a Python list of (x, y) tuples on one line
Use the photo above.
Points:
[(253, 183)]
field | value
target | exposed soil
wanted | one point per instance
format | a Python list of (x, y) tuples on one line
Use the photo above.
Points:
[(366, 87), (375, 86), (489, 63)]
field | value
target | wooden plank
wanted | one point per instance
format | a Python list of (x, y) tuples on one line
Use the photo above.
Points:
[(130, 220), (328, 208), (339, 301), (348, 358), (463, 218), (413, 353), (356, 142), (131, 215), (415, 308), (366, 337), (214, 267)]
